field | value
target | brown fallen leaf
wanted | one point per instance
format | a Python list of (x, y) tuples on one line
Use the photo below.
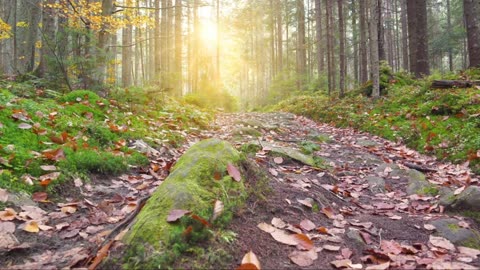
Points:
[(382, 266), (284, 238), (266, 227), (308, 202), (441, 243), (429, 227), (48, 168), (303, 241), (250, 261), (391, 247), (273, 172), (3, 195), (303, 258), (234, 172), (129, 207), (328, 211), (346, 253), (7, 227), (366, 237), (331, 248), (39, 196), (218, 208), (278, 223), (177, 214), (345, 263), (69, 209), (8, 214), (307, 225)]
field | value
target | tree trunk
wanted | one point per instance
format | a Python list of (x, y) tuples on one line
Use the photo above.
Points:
[(355, 40), (363, 42), (422, 39), (412, 34), (127, 66), (279, 36), (47, 52), (471, 11), (342, 47), (28, 18), (381, 32), (375, 65), (178, 47), (405, 45), (449, 30), (319, 40), (301, 45)]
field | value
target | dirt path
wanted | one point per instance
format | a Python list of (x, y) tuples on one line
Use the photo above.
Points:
[(356, 201), (362, 210)]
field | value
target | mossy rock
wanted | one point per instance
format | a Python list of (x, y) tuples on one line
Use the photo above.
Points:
[(190, 186), (291, 153), (418, 184), (449, 229), (468, 200)]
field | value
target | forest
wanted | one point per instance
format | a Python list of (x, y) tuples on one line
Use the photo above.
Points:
[(246, 134)]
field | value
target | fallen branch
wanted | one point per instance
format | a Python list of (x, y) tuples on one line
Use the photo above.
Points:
[(100, 252), (419, 168), (445, 84)]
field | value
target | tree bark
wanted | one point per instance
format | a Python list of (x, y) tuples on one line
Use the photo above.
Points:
[(301, 44), (279, 36), (29, 14), (178, 47), (405, 62), (47, 52), (363, 42), (471, 11), (422, 39), (319, 40), (449, 30), (374, 52), (342, 47)]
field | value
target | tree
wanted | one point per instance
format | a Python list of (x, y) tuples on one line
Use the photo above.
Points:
[(363, 43), (417, 37), (319, 40), (341, 28), (178, 46), (28, 18), (301, 44), (374, 52), (471, 11)]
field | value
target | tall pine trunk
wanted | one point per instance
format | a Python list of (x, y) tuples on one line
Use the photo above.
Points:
[(471, 11)]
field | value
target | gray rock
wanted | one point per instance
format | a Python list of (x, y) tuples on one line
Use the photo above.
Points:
[(396, 170), (367, 143), (354, 235), (469, 199), (377, 184), (289, 152), (449, 229), (143, 147), (418, 184), (21, 199), (246, 131)]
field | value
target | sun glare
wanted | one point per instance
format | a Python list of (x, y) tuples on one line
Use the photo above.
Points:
[(208, 31)]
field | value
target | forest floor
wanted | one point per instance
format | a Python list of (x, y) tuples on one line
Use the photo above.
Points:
[(354, 195)]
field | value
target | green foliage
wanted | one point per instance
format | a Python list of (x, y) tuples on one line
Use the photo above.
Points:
[(430, 191), (309, 147), (439, 122), (94, 162), (79, 96)]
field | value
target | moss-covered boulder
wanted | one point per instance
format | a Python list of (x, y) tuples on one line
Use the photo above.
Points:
[(468, 200), (449, 229), (418, 184), (192, 185), (289, 152)]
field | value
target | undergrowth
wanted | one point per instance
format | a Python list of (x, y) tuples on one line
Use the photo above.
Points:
[(81, 132), (440, 122)]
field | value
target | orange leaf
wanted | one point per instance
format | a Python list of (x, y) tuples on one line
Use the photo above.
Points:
[(54, 155), (303, 241), (201, 220), (328, 211), (177, 214), (187, 231), (322, 230), (45, 183), (39, 196), (31, 226), (217, 175), (250, 261)]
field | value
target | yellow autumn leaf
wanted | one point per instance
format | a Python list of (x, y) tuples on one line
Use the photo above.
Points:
[(31, 226)]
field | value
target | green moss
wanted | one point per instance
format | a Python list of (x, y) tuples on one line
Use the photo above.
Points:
[(472, 214), (430, 191), (250, 148), (309, 147), (453, 227)]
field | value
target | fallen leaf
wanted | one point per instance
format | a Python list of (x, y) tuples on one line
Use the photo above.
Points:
[(7, 227), (345, 263), (440, 265), (217, 175), (391, 247), (303, 241), (3, 195), (129, 207), (60, 226), (366, 237), (307, 225), (78, 182), (278, 160), (30, 226), (177, 214), (39, 196), (331, 248), (282, 237), (48, 168), (266, 227), (429, 227), (328, 211), (382, 266), (303, 258), (273, 172), (384, 206), (469, 251), (346, 253), (8, 214), (69, 209), (322, 230), (45, 227), (24, 126), (200, 219), (441, 243), (250, 259), (234, 172), (308, 202), (217, 209), (50, 176), (279, 223)]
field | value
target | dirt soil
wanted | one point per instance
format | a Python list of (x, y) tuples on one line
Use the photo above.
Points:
[(348, 220)]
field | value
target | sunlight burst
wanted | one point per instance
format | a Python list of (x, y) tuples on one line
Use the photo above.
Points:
[(208, 31)]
